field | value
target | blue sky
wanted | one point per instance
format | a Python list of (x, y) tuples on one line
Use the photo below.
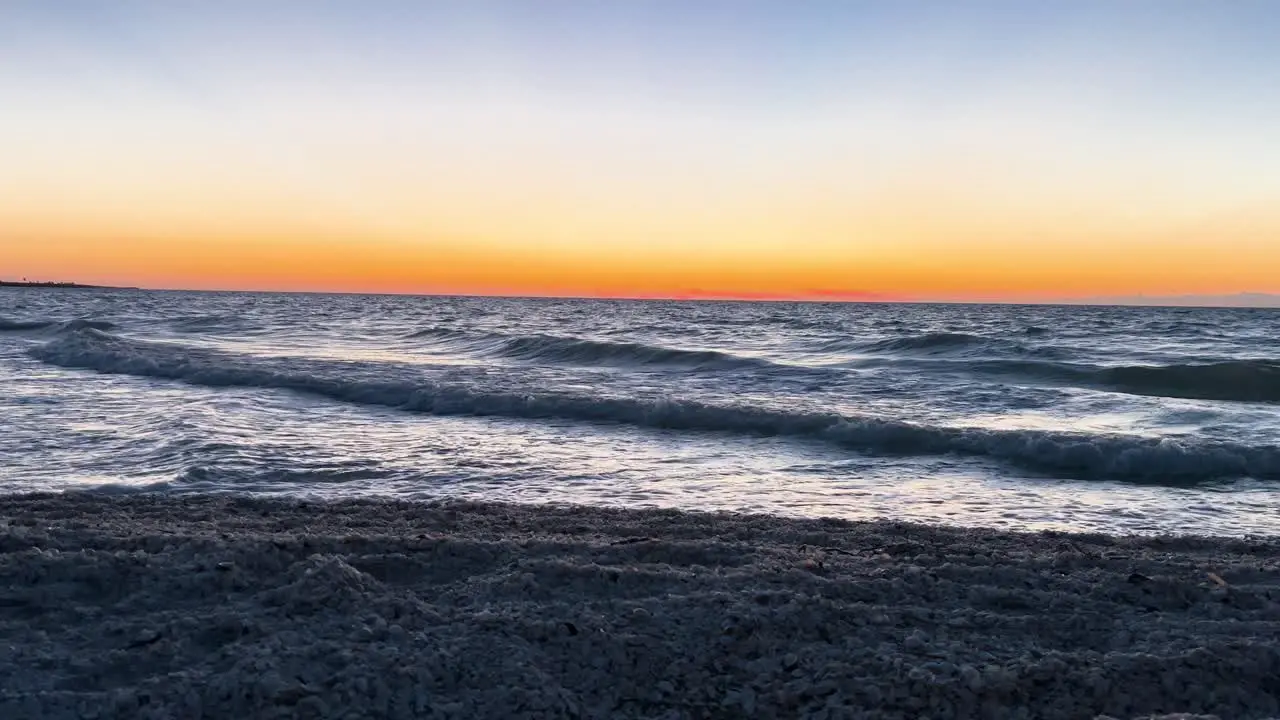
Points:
[(844, 134)]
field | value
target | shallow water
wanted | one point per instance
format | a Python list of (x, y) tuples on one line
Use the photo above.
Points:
[(1112, 419)]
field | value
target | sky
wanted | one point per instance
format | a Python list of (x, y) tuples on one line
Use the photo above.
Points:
[(1017, 151)]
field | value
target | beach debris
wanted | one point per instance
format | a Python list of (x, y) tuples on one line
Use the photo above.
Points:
[(145, 637), (839, 551)]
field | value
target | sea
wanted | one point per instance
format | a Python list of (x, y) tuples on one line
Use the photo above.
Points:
[(1071, 418)]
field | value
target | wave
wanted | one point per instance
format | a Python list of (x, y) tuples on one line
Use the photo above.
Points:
[(7, 325), (439, 333), (1239, 380), (199, 324), (545, 348), (930, 342), (556, 350), (101, 325), (943, 344), (1069, 454), (1233, 381)]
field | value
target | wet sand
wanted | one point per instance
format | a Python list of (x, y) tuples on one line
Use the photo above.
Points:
[(188, 607)]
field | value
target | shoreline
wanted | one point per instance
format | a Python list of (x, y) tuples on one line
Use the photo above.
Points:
[(182, 606)]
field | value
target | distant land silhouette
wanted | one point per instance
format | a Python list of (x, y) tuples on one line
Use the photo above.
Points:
[(58, 285)]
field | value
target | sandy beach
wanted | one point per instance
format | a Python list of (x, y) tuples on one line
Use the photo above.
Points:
[(168, 607)]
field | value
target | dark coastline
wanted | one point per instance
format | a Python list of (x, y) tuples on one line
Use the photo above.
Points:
[(59, 286)]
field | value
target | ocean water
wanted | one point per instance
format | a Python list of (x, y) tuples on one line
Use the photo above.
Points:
[(1041, 417)]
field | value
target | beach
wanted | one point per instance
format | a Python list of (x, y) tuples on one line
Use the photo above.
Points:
[(165, 606)]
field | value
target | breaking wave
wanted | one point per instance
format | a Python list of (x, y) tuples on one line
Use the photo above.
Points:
[(556, 350), (1071, 454)]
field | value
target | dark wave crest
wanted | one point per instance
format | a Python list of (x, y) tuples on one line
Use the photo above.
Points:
[(556, 350), (1236, 380), (1078, 455), (941, 342), (101, 325), (944, 345), (7, 325), (439, 333), (196, 324), (1240, 380)]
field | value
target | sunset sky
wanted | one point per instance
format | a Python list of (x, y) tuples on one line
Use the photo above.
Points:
[(898, 149)]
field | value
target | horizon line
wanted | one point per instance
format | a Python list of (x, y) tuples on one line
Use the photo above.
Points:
[(850, 298)]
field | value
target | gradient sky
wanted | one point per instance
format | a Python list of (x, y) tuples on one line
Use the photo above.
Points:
[(897, 149)]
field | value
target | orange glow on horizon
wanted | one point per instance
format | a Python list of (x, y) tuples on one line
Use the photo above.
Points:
[(958, 233), (912, 267)]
